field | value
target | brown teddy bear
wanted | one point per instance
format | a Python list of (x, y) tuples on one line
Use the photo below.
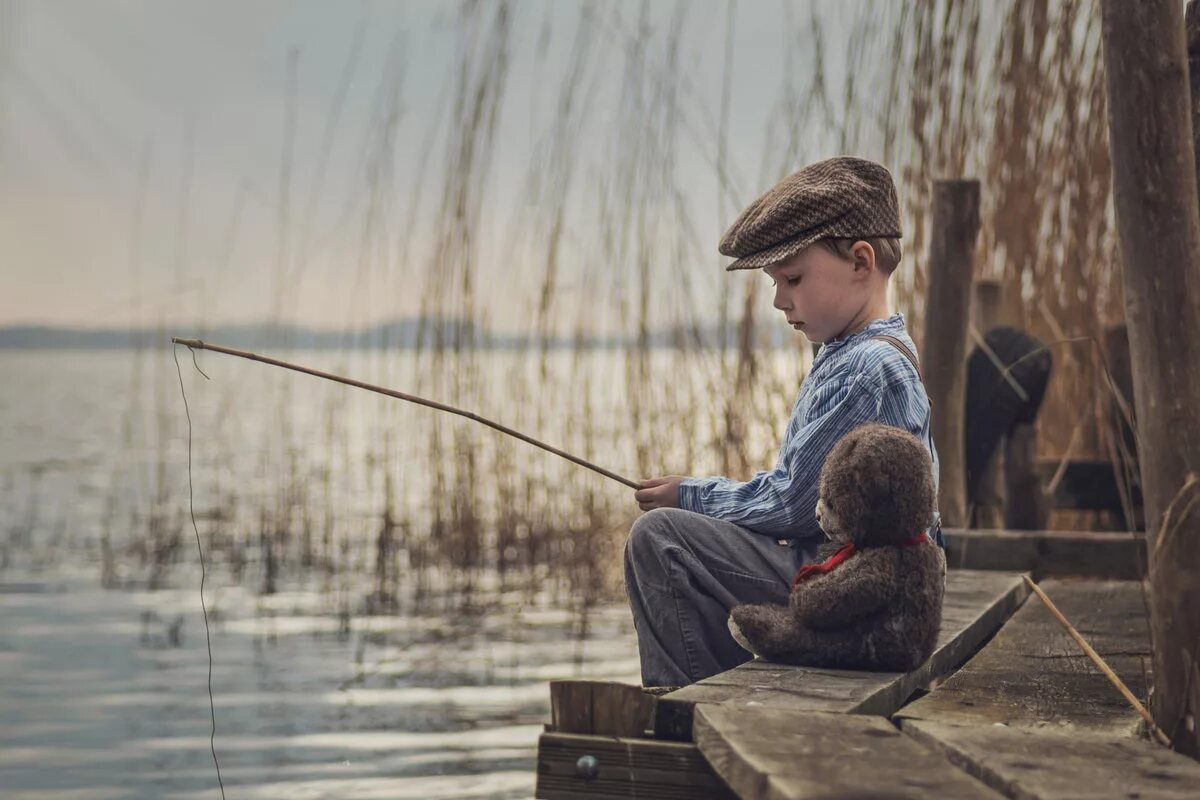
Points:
[(876, 602)]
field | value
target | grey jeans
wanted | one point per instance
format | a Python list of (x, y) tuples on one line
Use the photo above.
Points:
[(683, 573)]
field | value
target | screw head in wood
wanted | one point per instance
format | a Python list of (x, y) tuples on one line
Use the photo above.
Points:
[(587, 767)]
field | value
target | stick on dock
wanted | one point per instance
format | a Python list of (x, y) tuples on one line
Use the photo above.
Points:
[(1107, 670), (201, 345)]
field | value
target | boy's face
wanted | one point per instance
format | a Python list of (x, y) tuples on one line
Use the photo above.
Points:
[(822, 294)]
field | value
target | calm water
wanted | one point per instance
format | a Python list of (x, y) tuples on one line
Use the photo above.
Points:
[(103, 691), (104, 694)]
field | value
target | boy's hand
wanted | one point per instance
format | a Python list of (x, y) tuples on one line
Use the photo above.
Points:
[(658, 492)]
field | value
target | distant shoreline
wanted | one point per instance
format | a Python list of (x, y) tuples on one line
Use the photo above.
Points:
[(404, 334)]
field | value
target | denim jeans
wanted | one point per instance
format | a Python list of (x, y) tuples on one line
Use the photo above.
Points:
[(683, 573)]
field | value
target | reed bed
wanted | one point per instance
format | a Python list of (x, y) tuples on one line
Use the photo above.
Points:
[(607, 228)]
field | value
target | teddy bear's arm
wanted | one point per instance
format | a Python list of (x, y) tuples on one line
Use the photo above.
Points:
[(856, 589)]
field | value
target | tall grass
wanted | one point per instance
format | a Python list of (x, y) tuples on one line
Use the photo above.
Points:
[(605, 226)]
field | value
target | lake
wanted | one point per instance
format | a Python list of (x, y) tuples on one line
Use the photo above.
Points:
[(319, 690)]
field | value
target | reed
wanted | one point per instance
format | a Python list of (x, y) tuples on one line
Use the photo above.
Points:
[(604, 229)]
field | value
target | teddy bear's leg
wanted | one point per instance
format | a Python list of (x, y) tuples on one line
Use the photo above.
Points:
[(738, 636), (763, 629)]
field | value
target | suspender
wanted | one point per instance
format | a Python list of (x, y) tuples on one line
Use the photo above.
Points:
[(903, 348)]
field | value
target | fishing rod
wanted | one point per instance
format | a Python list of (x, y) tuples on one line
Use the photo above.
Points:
[(197, 344)]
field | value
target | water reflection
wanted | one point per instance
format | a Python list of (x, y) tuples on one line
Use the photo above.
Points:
[(98, 703)]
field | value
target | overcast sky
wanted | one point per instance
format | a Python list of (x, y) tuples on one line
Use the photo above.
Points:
[(191, 95)]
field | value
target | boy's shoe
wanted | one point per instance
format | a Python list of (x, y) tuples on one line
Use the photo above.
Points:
[(660, 690)]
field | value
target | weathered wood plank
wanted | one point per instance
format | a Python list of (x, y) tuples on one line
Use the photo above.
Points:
[(1038, 765), (624, 768), (1116, 556), (975, 605), (1033, 675), (770, 754), (604, 708), (1032, 717), (570, 707)]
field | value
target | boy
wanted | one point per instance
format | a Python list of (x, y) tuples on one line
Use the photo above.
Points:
[(829, 238)]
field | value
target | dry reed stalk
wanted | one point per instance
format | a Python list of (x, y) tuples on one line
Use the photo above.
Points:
[(1029, 121)]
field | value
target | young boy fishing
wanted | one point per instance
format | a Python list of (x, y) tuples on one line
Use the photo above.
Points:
[(828, 237)]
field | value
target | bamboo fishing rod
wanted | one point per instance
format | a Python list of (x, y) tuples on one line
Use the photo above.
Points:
[(197, 344)]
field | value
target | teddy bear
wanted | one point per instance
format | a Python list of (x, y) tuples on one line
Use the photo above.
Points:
[(875, 601)]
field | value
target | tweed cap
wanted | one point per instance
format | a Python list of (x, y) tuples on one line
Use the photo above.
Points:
[(842, 197)]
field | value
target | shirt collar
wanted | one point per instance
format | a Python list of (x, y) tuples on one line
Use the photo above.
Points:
[(892, 325)]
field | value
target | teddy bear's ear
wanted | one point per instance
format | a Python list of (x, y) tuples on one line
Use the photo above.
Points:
[(878, 481)]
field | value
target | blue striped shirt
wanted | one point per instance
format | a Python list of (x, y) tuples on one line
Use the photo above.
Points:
[(853, 381)]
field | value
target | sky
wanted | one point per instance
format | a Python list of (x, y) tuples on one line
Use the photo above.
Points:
[(142, 152)]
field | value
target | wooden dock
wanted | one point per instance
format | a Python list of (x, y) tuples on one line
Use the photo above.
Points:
[(1006, 707)]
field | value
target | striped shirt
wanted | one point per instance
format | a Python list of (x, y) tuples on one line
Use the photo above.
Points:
[(853, 381)]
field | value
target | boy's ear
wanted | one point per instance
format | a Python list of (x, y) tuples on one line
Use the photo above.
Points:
[(864, 256)]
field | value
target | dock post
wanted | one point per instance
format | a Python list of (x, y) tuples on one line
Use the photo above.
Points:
[(947, 307), (1158, 225)]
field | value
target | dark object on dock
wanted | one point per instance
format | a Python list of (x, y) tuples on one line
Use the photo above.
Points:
[(996, 402)]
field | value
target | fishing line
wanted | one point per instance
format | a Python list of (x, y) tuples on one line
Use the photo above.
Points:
[(195, 344), (192, 510)]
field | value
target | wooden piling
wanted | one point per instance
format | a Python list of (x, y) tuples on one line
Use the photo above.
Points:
[(947, 307), (1030, 508), (1154, 183)]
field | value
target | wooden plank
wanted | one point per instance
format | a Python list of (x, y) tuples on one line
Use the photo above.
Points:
[(1037, 765), (624, 768), (570, 707), (620, 709), (975, 605), (1032, 717), (1117, 556), (768, 754), (605, 708), (1033, 675)]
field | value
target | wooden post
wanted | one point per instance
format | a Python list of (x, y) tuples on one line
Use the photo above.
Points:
[(989, 508), (1158, 223), (1192, 23), (1030, 508), (947, 305)]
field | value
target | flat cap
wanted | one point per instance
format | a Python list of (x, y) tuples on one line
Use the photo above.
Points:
[(842, 197)]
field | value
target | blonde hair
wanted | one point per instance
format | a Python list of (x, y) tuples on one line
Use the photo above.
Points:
[(887, 250)]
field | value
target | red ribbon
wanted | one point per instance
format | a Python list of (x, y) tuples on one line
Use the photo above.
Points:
[(844, 552)]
